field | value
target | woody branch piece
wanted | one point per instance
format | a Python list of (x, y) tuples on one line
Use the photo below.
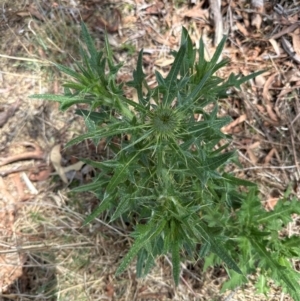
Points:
[(216, 16), (36, 154)]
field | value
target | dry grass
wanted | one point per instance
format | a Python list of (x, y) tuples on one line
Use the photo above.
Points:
[(66, 261)]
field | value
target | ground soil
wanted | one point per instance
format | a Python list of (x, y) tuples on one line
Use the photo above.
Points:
[(45, 253)]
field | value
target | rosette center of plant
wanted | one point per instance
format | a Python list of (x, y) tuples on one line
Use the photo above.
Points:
[(165, 122)]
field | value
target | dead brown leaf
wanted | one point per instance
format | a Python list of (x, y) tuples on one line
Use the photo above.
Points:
[(129, 20), (35, 13), (110, 290), (256, 21), (242, 29), (55, 158), (275, 46), (289, 49), (196, 12), (156, 9), (269, 156), (40, 175), (284, 31), (272, 114), (296, 41), (228, 128), (253, 158), (76, 166), (163, 62), (268, 84), (260, 80), (110, 22), (271, 203)]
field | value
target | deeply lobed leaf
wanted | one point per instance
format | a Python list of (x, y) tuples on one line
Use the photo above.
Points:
[(166, 168)]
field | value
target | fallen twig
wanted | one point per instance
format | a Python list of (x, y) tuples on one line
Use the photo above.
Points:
[(36, 154), (287, 46)]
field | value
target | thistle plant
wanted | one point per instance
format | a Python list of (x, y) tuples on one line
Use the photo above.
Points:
[(168, 177)]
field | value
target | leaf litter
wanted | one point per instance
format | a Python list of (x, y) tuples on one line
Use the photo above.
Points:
[(265, 130)]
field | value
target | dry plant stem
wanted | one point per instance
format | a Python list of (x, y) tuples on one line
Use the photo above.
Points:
[(47, 247), (295, 156), (4, 173), (215, 7), (36, 154), (289, 50), (287, 30), (19, 187)]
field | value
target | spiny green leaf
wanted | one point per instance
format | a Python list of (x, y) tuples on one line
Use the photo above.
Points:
[(96, 117), (99, 183), (75, 86), (123, 206), (282, 210), (175, 261), (262, 285), (202, 62), (141, 258), (121, 172), (236, 181), (175, 248), (89, 43), (70, 72), (108, 131), (215, 162), (175, 69), (205, 249), (246, 78), (235, 280), (149, 264), (217, 53), (194, 95), (108, 50), (217, 248), (274, 265), (138, 244), (171, 79), (190, 52), (138, 79), (106, 165), (160, 80), (101, 207), (65, 101)]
